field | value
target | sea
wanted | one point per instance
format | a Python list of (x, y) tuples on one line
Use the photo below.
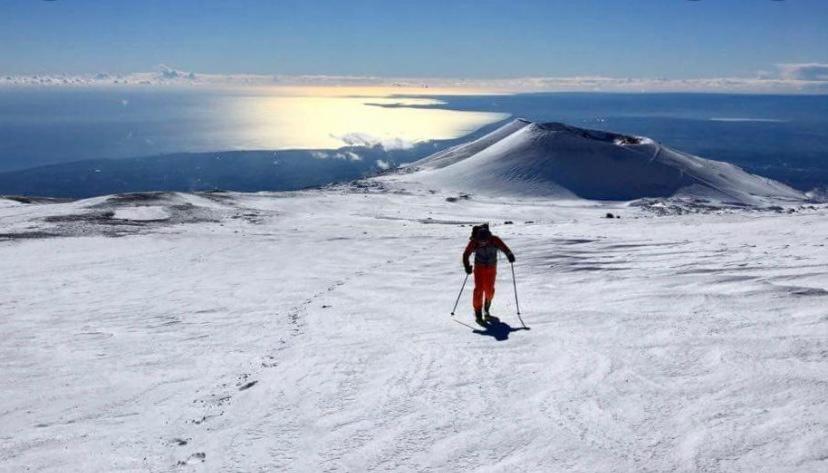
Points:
[(784, 137)]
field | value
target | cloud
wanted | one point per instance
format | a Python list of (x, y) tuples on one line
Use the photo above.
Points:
[(789, 78), (346, 155), (811, 71), (169, 73), (631, 84), (383, 164), (370, 141), (350, 155)]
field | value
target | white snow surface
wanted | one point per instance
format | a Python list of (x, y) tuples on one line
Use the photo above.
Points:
[(556, 160), (310, 331)]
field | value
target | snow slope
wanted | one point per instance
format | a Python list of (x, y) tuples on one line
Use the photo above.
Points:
[(553, 159), (310, 332)]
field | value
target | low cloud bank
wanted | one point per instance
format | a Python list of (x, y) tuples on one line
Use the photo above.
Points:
[(346, 155), (805, 72), (369, 141), (786, 78)]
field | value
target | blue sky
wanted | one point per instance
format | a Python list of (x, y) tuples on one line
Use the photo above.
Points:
[(673, 39)]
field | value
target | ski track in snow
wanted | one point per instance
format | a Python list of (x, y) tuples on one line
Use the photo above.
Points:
[(310, 332)]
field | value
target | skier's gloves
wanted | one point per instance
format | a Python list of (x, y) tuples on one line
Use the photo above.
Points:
[(468, 269), (510, 257)]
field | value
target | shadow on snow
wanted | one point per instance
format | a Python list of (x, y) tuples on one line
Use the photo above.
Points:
[(498, 330)]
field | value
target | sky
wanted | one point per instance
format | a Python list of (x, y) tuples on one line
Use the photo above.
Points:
[(493, 39)]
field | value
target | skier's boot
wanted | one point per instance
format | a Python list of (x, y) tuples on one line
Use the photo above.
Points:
[(478, 317), (488, 315)]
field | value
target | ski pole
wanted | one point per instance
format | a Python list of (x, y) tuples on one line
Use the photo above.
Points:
[(514, 283), (461, 293)]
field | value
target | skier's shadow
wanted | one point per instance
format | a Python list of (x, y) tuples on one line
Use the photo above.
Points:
[(498, 330)]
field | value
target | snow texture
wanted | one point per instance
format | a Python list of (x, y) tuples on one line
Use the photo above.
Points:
[(142, 213), (309, 331)]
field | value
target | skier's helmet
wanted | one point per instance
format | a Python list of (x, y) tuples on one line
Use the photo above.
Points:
[(476, 231)]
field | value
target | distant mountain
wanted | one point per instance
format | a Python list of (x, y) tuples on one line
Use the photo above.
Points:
[(557, 160)]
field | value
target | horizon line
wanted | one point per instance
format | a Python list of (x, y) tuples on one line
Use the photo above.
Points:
[(790, 81)]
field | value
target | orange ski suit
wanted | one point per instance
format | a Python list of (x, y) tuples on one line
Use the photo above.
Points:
[(484, 285), (485, 268)]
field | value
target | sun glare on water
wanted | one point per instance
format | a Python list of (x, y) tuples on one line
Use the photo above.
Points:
[(309, 118)]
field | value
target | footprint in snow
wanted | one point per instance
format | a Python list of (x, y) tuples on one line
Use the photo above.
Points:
[(247, 385), (198, 457)]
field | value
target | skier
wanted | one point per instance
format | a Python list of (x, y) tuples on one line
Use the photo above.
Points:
[(485, 246)]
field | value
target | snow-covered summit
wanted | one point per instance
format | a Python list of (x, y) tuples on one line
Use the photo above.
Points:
[(558, 160)]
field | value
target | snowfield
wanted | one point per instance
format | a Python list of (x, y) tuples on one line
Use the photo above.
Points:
[(310, 331)]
